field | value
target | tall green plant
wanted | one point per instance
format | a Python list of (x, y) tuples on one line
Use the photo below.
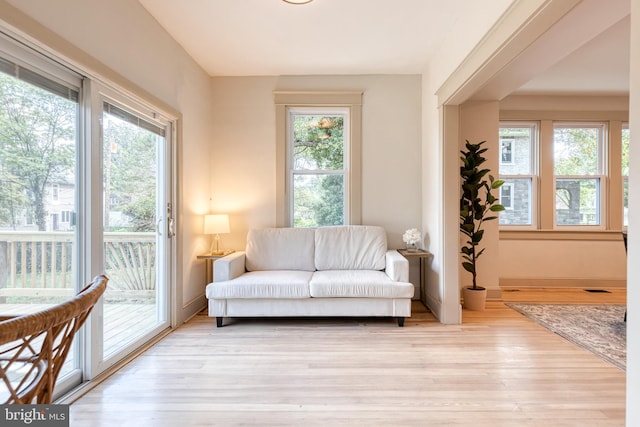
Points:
[(477, 203)]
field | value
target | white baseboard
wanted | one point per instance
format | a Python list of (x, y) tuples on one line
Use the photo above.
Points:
[(193, 307), (563, 283)]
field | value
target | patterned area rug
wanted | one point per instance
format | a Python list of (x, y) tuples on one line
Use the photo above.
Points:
[(600, 329)]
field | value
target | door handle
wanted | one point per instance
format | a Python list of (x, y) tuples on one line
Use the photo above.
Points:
[(172, 230)]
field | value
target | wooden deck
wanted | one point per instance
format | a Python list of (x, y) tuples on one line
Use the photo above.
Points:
[(122, 321)]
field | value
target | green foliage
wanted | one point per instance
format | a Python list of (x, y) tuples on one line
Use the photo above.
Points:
[(625, 152), (625, 163), (318, 147), (318, 200), (37, 147), (476, 203), (318, 142), (142, 211), (130, 173), (575, 151), (576, 154), (329, 211)]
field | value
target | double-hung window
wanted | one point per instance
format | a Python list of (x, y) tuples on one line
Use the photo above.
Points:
[(518, 145), (625, 173), (579, 171), (318, 143), (318, 158)]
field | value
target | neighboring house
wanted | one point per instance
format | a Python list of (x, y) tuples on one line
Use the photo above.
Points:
[(61, 215)]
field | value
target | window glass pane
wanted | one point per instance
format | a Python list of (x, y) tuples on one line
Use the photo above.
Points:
[(626, 136), (518, 203), (515, 150), (625, 151), (517, 170), (38, 139), (575, 150), (318, 200), (38, 132), (577, 201), (130, 150), (318, 142), (625, 194)]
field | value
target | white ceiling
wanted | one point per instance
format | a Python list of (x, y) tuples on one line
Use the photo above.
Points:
[(270, 37), (601, 66)]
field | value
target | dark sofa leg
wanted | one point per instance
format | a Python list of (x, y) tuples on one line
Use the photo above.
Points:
[(401, 321), (219, 322)]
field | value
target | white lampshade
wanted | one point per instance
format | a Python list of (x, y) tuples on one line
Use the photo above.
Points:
[(216, 224)]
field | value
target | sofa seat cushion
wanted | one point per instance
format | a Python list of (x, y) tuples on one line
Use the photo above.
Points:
[(350, 247), (263, 284), (357, 284), (280, 249)]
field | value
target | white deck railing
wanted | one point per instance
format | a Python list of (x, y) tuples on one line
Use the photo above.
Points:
[(43, 263)]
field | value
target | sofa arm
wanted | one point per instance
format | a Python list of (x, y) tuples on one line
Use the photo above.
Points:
[(397, 266), (228, 267)]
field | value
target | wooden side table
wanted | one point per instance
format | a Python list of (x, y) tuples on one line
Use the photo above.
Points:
[(209, 259), (423, 256)]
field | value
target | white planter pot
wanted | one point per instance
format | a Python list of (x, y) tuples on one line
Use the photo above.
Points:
[(474, 299)]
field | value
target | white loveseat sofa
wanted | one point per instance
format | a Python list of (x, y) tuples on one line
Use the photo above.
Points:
[(327, 271)]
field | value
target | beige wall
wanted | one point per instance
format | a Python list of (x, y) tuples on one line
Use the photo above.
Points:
[(563, 263), (440, 157), (586, 260), (243, 174), (479, 122), (143, 59)]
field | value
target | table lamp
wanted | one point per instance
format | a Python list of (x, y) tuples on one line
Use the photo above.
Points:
[(216, 224)]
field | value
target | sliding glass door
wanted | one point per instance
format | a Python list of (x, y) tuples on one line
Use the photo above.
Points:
[(137, 225), (86, 188)]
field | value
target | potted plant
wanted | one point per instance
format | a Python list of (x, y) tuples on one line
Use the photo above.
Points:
[(477, 205)]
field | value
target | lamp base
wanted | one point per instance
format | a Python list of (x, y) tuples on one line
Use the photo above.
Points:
[(217, 250)]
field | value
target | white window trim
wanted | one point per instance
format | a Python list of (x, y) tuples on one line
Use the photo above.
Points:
[(601, 174), (344, 172), (352, 100), (534, 176)]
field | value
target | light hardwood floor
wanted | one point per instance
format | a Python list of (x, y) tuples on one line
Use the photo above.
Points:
[(496, 369)]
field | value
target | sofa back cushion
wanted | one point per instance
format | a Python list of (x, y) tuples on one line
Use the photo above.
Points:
[(350, 247), (280, 249)]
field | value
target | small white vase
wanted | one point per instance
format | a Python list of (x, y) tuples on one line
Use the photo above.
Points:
[(411, 247)]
